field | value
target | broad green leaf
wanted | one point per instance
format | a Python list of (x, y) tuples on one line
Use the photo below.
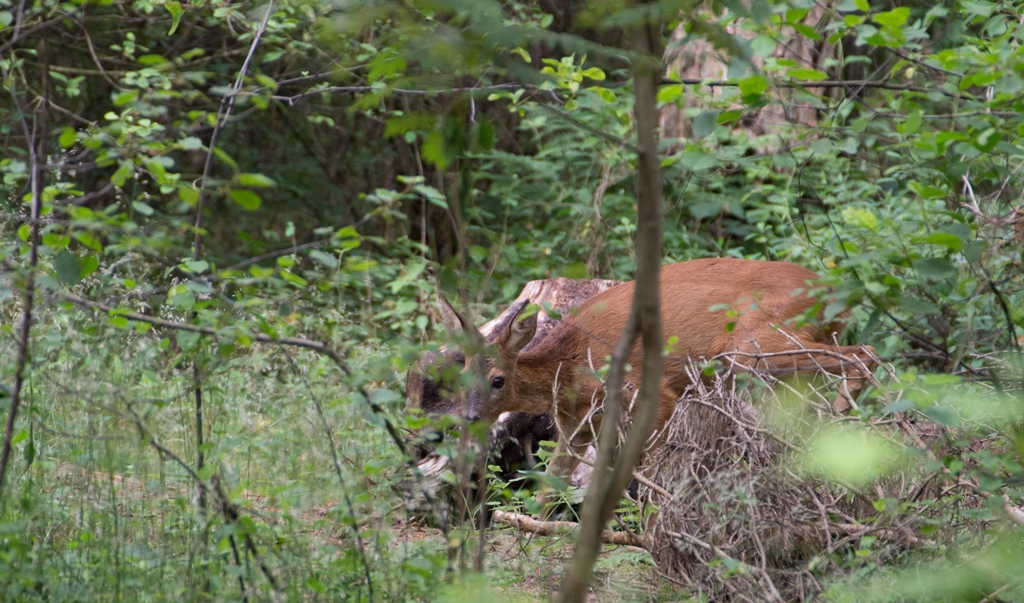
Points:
[(255, 180), (223, 156), (669, 93), (246, 199), (893, 18), (328, 260), (142, 208), (946, 239), (67, 137), (409, 122), (705, 124), (753, 87), (123, 173), (805, 74), (606, 95), (763, 46), (188, 194), (123, 98), (919, 306), (176, 11), (293, 278), (187, 339), (89, 265), (68, 267), (151, 59), (726, 117), (934, 269), (196, 266), (433, 149), (860, 216), (88, 240), (190, 143)]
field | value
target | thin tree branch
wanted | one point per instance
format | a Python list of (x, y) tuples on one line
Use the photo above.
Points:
[(605, 489), (28, 296)]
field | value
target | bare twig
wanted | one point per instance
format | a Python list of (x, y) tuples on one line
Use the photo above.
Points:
[(28, 296)]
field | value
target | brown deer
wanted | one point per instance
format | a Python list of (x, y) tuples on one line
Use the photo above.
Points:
[(750, 314)]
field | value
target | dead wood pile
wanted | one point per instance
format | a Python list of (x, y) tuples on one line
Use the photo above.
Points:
[(738, 519)]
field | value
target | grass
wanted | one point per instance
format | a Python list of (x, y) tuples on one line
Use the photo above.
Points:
[(92, 511)]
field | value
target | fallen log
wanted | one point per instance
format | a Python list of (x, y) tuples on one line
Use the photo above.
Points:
[(526, 523)]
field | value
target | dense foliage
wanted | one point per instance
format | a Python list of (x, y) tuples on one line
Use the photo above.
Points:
[(185, 185)]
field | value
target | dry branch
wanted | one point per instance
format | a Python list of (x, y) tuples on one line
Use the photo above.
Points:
[(526, 523)]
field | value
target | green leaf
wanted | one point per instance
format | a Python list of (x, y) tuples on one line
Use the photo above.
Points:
[(328, 260), (246, 199), (919, 306), (934, 269), (705, 124), (151, 59), (123, 173), (190, 143), (987, 140), (293, 278), (807, 31), (123, 98), (67, 137), (187, 339), (430, 193), (893, 18), (807, 74), (410, 122), (88, 240), (182, 298), (68, 268), (223, 156), (188, 194), (594, 73), (859, 216), (255, 180), (947, 240), (763, 46), (912, 124), (433, 149), (196, 266), (89, 265), (176, 11), (24, 232), (753, 87), (142, 208), (669, 93), (606, 95)]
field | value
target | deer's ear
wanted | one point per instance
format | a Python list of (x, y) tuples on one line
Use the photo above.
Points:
[(518, 333), (456, 324), (453, 321)]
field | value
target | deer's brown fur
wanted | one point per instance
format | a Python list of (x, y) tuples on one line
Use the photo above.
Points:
[(750, 314)]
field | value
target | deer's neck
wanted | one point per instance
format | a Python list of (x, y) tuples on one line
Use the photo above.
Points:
[(548, 374)]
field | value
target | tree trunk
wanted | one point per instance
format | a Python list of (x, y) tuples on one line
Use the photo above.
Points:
[(606, 486)]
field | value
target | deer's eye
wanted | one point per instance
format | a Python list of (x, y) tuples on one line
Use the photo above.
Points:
[(498, 382)]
